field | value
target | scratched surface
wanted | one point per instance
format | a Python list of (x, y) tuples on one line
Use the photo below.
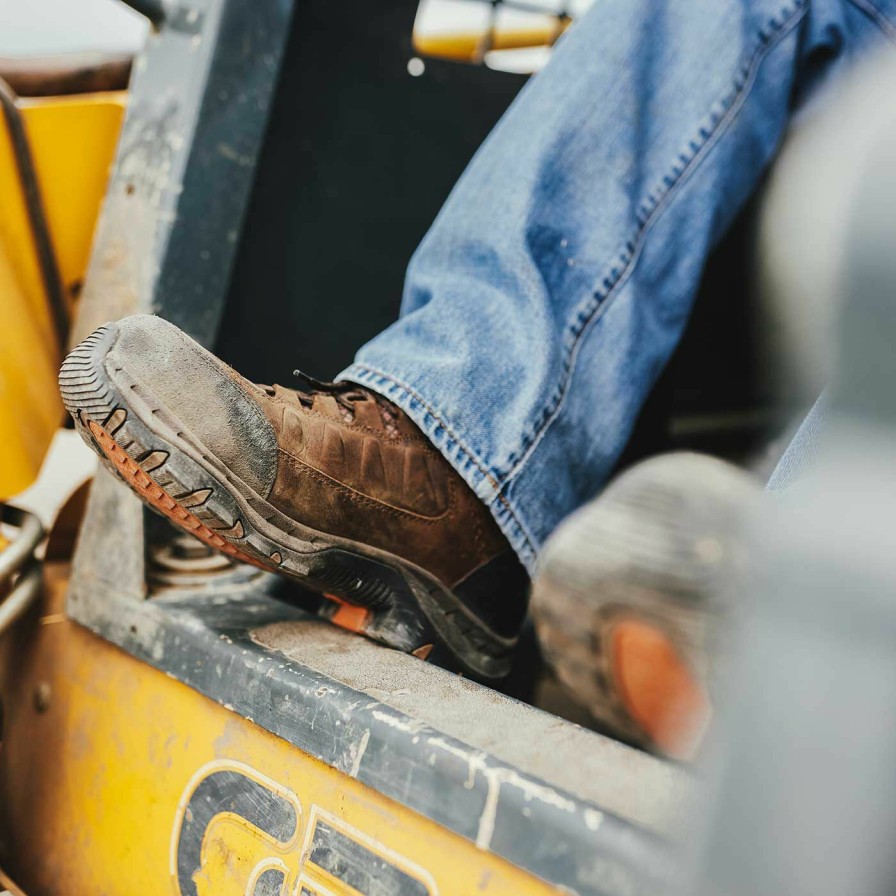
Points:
[(197, 107), (625, 781), (137, 803), (481, 765)]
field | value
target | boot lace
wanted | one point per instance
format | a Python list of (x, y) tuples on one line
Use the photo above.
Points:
[(346, 396)]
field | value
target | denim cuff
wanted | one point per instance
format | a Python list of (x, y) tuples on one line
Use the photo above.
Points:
[(431, 424)]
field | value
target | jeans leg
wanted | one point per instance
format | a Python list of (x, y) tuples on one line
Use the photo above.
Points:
[(558, 277)]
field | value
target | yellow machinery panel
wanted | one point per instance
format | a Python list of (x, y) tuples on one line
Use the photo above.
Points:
[(119, 780), (72, 143)]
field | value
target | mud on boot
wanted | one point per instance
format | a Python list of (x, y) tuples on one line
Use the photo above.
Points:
[(331, 484)]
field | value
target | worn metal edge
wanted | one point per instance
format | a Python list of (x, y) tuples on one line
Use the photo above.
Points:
[(204, 641)]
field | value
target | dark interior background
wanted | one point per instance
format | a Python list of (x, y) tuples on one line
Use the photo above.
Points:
[(358, 158)]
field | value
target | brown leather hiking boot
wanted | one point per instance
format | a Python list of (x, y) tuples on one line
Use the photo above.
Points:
[(333, 485)]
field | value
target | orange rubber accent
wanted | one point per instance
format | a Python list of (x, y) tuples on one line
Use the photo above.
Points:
[(153, 494), (658, 688), (349, 616)]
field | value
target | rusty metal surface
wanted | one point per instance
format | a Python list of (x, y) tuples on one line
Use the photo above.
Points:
[(632, 784)]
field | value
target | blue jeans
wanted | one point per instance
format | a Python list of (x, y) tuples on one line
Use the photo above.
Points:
[(557, 279)]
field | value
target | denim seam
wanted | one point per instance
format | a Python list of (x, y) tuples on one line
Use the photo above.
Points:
[(376, 376), (649, 211), (872, 11)]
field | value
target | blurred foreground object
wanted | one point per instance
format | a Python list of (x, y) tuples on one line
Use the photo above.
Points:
[(633, 590), (805, 222), (808, 803)]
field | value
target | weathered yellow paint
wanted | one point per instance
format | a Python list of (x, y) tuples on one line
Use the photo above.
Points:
[(96, 786), (30, 409), (72, 141)]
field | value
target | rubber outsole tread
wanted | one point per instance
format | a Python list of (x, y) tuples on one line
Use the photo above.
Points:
[(143, 484)]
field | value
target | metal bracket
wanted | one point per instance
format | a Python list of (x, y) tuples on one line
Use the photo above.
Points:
[(18, 567), (166, 240)]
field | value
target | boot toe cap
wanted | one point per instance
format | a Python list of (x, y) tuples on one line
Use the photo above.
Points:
[(210, 402)]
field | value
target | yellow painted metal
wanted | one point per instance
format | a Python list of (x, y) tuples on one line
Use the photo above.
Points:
[(101, 754), (30, 411), (72, 142)]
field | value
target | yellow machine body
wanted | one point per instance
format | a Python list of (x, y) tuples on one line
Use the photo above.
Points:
[(72, 143), (102, 758)]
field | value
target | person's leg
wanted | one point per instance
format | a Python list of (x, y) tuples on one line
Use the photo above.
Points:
[(558, 277)]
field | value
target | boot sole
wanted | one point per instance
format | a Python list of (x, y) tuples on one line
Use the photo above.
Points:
[(371, 592), (625, 665)]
